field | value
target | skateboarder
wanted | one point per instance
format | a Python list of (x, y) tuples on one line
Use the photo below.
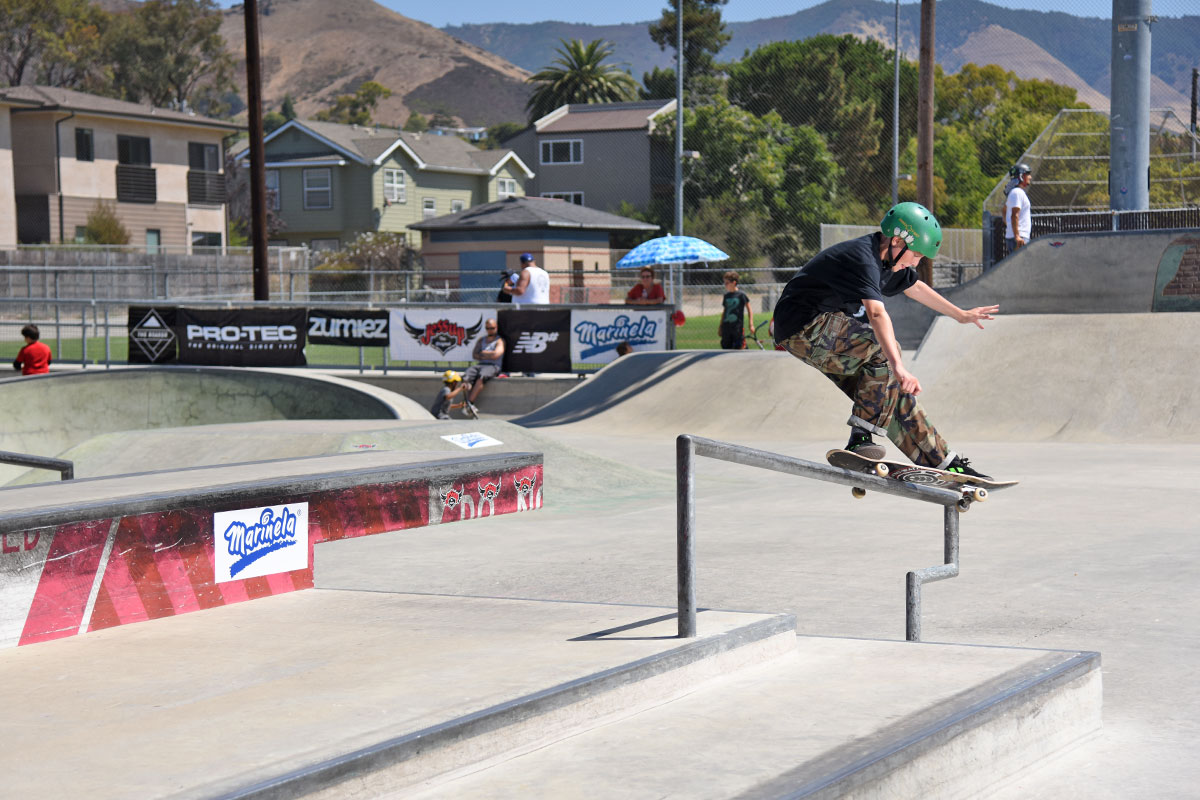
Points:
[(813, 323)]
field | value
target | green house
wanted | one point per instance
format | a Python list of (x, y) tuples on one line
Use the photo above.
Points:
[(330, 182)]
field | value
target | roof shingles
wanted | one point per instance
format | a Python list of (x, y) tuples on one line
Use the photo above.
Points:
[(532, 212)]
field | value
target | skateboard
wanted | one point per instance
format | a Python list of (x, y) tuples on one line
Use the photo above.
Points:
[(973, 489), (470, 410)]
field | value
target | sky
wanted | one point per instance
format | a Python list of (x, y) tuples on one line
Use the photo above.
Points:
[(612, 12), (618, 11)]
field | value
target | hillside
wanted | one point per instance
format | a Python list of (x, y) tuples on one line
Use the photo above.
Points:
[(1067, 49), (314, 50)]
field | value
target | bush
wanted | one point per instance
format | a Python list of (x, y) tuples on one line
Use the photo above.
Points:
[(104, 226)]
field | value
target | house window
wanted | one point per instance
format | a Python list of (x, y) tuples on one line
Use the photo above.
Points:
[(429, 207), (393, 186), (80, 234), (456, 206), (570, 197), (273, 188), (134, 150), (317, 188), (562, 151), (205, 241), (204, 157), (84, 147), (506, 187), (325, 244)]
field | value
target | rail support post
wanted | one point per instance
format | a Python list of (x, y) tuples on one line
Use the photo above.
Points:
[(914, 580), (685, 546)]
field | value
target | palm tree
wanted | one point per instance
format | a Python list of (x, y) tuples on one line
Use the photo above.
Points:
[(579, 75)]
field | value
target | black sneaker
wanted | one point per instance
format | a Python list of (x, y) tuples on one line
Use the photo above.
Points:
[(861, 444), (962, 465)]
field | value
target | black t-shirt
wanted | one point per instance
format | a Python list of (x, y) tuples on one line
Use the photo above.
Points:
[(838, 278), (733, 304)]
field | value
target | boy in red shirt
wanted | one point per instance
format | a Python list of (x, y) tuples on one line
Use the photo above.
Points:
[(34, 358), (646, 292)]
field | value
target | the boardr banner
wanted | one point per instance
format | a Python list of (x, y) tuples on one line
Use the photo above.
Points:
[(259, 337), (536, 341), (152, 337), (596, 334), (436, 334), (348, 327)]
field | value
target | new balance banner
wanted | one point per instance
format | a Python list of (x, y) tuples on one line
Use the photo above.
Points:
[(436, 334), (349, 328), (152, 338), (536, 341), (253, 337), (596, 334)]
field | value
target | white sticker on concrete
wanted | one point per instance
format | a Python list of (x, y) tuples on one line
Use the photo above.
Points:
[(471, 441)]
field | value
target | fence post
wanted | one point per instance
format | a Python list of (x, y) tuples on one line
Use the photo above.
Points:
[(685, 547), (83, 334), (107, 341)]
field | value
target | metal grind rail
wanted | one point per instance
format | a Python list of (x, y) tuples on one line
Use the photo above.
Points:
[(60, 465), (687, 447)]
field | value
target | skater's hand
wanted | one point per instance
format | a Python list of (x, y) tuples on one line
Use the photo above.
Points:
[(908, 382), (975, 315)]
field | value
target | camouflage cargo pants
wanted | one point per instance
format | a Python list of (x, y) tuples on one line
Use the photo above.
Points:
[(845, 350)]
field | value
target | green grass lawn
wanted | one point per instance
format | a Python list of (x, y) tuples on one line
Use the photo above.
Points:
[(700, 333)]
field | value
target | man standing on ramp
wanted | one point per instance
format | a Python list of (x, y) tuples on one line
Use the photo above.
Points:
[(813, 322)]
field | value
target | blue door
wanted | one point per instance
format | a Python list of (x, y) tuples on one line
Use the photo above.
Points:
[(479, 275)]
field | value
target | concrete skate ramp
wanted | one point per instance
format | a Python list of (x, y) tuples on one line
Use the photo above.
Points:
[(1078, 378), (742, 394), (1113, 272), (47, 414), (1038, 377)]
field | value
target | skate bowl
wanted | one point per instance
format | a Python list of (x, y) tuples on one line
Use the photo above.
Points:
[(1027, 378), (46, 414), (1120, 272)]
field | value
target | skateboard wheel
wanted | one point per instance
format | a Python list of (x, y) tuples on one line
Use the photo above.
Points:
[(981, 494), (964, 505), (859, 493), (881, 470)]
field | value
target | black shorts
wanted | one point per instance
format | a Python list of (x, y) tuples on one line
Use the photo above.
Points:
[(485, 371), (734, 340)]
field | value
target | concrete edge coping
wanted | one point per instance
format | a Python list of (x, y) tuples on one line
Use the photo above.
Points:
[(879, 754), (326, 774), (246, 492)]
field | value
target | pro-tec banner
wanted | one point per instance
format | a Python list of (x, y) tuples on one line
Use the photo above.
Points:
[(255, 542), (596, 334), (348, 327), (436, 334), (267, 337), (152, 338), (536, 341)]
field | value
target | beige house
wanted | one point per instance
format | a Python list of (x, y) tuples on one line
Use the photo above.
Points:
[(331, 182), (162, 170)]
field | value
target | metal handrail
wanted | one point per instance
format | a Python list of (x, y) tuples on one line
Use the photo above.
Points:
[(687, 447), (60, 465)]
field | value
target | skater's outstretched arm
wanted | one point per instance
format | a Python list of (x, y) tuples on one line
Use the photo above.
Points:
[(927, 296)]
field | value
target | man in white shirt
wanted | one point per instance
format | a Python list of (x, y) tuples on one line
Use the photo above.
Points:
[(533, 287), (1017, 219)]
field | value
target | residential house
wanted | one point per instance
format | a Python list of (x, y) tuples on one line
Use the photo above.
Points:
[(600, 155), (468, 251), (161, 169), (330, 182)]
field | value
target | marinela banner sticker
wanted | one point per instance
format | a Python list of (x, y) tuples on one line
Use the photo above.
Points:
[(255, 542)]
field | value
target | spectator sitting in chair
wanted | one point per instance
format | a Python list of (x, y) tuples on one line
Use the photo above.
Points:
[(646, 292)]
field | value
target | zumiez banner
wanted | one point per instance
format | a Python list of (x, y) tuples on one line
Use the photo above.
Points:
[(596, 334), (254, 337), (436, 334), (348, 327)]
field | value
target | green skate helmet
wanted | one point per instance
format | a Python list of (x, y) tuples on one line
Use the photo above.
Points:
[(917, 225)]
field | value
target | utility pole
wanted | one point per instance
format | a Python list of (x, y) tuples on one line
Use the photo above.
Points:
[(679, 117), (258, 171), (925, 109), (1195, 76)]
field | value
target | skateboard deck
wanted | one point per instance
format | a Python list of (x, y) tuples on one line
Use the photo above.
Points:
[(973, 489)]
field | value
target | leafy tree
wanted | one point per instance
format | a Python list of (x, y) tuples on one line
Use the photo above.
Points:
[(273, 120), (357, 108), (170, 52), (658, 84), (499, 133), (237, 192), (441, 119), (704, 35), (57, 42), (416, 123), (579, 75), (288, 107), (104, 226)]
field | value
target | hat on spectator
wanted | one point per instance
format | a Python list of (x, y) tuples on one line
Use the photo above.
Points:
[(526, 258)]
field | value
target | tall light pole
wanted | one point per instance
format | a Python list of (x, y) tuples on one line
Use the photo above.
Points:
[(925, 109), (679, 118), (258, 172)]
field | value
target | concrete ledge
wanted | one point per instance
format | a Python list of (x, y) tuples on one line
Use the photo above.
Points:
[(509, 396)]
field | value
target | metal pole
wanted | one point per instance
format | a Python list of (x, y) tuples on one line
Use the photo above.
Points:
[(83, 335), (1129, 129), (685, 548), (1195, 78), (925, 108), (914, 580), (896, 113), (258, 172), (679, 117)]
